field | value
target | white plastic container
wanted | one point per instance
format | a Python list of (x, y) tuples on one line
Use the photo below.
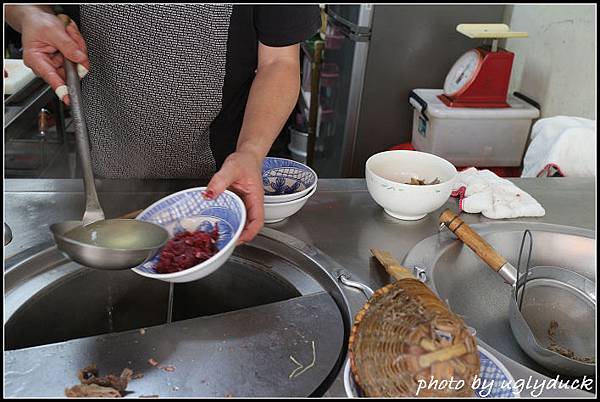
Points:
[(484, 137)]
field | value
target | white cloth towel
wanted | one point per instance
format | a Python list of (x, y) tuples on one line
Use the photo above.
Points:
[(496, 198), (563, 144)]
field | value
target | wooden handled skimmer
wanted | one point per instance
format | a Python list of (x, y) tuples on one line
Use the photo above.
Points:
[(482, 248), (405, 333), (561, 299)]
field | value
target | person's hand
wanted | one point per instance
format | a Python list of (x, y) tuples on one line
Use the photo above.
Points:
[(241, 173), (45, 40)]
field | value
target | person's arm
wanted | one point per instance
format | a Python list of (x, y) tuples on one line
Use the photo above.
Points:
[(272, 97), (45, 40)]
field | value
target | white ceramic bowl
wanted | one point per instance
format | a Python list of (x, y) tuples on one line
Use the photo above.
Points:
[(188, 210), (280, 211), (286, 180), (387, 172)]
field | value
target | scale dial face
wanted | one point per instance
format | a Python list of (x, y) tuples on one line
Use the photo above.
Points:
[(462, 72)]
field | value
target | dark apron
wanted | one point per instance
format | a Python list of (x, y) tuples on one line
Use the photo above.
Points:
[(154, 87)]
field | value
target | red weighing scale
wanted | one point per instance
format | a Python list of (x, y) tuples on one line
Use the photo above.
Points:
[(480, 77)]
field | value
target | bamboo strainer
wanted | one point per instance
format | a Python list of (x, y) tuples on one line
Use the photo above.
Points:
[(404, 334)]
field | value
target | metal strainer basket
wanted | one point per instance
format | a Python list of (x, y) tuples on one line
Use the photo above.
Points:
[(552, 309), (553, 316)]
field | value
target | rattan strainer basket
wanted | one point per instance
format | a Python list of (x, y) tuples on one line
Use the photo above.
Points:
[(405, 334)]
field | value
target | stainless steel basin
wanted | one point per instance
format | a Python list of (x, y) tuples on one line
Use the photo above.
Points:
[(478, 294), (91, 302), (263, 303)]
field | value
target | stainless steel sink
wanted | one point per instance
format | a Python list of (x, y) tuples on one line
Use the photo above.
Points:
[(272, 299), (91, 302), (478, 294)]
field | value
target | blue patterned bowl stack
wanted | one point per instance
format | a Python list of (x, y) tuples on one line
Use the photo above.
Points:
[(188, 210), (286, 180)]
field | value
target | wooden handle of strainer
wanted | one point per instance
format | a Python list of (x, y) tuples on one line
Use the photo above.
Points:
[(399, 273), (472, 239), (391, 265)]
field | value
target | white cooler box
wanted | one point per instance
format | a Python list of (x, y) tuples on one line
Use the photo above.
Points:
[(471, 136)]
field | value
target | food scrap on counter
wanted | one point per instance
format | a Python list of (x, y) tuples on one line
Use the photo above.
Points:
[(93, 385), (92, 391), (300, 369), (168, 367)]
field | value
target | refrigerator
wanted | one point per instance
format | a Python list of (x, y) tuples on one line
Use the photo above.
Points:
[(373, 56)]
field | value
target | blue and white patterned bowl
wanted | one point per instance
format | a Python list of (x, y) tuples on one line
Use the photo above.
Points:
[(286, 180), (494, 372), (491, 372), (188, 210)]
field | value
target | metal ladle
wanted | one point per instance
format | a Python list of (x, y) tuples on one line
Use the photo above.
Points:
[(95, 242)]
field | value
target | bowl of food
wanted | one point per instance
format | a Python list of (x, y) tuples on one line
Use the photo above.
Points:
[(202, 234), (409, 184), (286, 180), (276, 212)]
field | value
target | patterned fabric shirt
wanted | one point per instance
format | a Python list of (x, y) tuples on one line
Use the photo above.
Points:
[(168, 83)]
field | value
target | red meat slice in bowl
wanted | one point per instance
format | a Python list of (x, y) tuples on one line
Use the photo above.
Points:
[(187, 249)]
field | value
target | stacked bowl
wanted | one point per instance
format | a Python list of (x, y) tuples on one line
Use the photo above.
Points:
[(288, 185)]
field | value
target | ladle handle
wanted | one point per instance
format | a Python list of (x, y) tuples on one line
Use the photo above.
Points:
[(93, 211), (391, 265), (131, 215), (472, 239)]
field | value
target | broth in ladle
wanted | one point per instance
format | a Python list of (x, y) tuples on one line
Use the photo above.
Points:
[(124, 234)]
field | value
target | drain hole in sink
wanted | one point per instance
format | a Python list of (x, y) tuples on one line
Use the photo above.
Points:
[(98, 302)]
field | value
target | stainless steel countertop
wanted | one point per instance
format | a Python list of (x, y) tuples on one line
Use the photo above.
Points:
[(341, 219)]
